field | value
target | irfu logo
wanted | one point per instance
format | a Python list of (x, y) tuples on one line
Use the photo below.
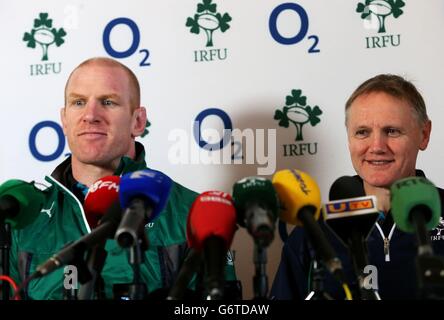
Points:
[(374, 13), (297, 112), (146, 131), (380, 9), (44, 34), (437, 233), (208, 20)]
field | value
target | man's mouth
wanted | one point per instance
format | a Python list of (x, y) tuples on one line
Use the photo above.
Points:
[(379, 162), (92, 133)]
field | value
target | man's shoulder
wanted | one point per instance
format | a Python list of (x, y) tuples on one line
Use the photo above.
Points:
[(180, 200), (180, 191)]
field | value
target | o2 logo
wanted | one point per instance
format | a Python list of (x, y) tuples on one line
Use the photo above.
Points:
[(226, 136), (134, 45), (300, 11), (33, 141)]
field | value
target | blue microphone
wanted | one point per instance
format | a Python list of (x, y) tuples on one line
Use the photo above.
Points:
[(143, 195)]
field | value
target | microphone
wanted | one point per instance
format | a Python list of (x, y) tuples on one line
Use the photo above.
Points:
[(20, 203), (210, 229), (300, 200), (105, 230), (256, 205), (101, 195), (352, 219), (143, 194), (346, 187), (190, 265), (416, 207), (351, 215)]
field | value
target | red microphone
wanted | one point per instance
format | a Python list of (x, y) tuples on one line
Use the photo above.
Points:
[(101, 195), (210, 229)]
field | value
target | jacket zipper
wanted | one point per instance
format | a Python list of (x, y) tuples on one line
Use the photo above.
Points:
[(386, 240), (85, 222), (387, 247)]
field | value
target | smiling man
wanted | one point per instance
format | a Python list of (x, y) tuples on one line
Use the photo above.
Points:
[(101, 119), (387, 125)]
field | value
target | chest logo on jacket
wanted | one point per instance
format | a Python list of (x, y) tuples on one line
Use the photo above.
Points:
[(48, 211), (437, 234)]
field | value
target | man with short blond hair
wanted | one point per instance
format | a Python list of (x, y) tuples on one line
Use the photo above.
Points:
[(101, 119)]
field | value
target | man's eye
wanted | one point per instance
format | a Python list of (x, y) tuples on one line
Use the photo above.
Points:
[(108, 102), (393, 132), (78, 103), (362, 133)]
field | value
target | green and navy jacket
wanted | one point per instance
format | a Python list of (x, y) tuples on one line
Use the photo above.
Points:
[(62, 220)]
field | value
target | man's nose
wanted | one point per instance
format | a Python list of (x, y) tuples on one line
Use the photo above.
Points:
[(92, 112), (378, 143)]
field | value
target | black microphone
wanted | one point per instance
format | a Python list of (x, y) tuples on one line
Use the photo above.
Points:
[(190, 265), (346, 187), (71, 252), (351, 216)]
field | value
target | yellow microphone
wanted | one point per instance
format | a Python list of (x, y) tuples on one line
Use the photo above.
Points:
[(296, 190), (300, 201)]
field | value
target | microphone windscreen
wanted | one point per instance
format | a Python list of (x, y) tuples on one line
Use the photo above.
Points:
[(211, 214), (296, 189), (254, 190), (149, 184), (346, 187), (100, 197), (28, 202), (413, 193)]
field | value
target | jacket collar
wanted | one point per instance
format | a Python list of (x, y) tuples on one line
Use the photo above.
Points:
[(63, 172), (418, 173)]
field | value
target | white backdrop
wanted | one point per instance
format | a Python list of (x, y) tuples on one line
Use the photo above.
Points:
[(248, 74)]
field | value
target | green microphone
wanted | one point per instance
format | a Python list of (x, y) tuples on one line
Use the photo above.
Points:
[(256, 204), (416, 207), (20, 203)]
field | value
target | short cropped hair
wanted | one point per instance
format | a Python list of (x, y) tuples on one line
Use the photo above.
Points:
[(395, 86), (104, 61)]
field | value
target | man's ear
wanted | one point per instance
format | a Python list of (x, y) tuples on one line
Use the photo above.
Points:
[(63, 119), (139, 122), (425, 132)]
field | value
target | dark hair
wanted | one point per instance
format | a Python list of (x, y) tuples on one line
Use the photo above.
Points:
[(394, 86)]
